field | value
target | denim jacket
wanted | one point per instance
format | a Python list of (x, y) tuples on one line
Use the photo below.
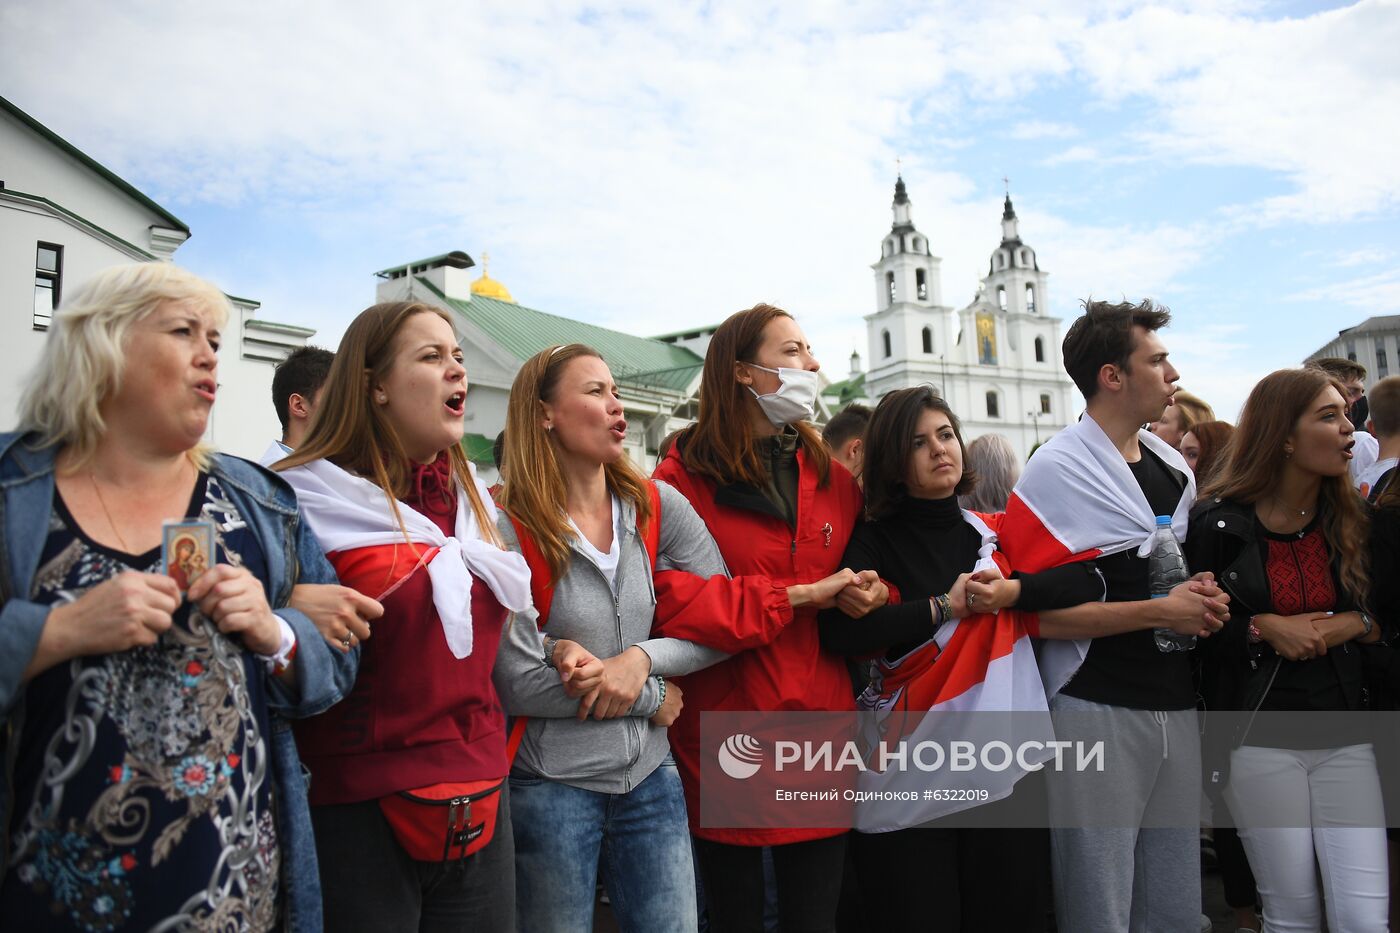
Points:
[(293, 556)]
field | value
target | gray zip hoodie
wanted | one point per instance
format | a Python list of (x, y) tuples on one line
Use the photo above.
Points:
[(612, 755)]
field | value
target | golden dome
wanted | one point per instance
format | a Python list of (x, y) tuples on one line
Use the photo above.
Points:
[(488, 286)]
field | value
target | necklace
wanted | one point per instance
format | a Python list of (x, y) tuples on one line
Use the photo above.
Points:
[(92, 475), (1302, 513)]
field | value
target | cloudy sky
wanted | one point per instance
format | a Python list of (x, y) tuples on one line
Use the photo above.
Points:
[(656, 166)]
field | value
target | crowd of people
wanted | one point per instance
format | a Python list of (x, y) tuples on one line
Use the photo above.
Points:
[(395, 699)]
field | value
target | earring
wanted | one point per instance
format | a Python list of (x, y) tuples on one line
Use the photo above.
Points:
[(1288, 453), (381, 398)]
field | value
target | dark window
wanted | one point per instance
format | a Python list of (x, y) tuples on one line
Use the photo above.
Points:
[(889, 284), (1001, 297), (1030, 298), (885, 335), (1382, 364), (48, 283), (1044, 404), (921, 281), (928, 340), (1039, 350), (993, 408)]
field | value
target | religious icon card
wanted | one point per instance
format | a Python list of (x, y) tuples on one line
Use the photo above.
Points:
[(186, 550)]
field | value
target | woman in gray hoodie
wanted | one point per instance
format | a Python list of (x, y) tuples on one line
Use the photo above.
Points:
[(594, 774)]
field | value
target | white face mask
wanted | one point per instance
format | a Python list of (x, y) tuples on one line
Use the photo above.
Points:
[(795, 399)]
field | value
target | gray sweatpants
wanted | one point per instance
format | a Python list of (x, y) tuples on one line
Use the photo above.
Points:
[(1125, 842)]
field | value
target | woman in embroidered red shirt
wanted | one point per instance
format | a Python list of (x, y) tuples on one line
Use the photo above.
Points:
[(409, 802), (1285, 535)]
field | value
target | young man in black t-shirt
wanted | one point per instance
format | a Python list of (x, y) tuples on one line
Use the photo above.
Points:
[(1141, 871)]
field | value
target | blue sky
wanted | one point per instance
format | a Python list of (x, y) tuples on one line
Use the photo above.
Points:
[(657, 166)]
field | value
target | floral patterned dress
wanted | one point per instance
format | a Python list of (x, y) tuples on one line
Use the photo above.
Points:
[(143, 782)]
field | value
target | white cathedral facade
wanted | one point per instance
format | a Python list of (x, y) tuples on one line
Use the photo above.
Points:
[(997, 361)]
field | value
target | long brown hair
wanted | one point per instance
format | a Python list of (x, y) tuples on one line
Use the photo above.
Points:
[(534, 490), (1214, 438), (356, 435), (1255, 458), (720, 444)]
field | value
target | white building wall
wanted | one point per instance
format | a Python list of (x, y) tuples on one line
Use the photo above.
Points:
[(22, 227), (1362, 345), (99, 224), (34, 165)]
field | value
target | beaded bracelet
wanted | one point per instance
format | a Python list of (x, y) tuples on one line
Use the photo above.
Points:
[(661, 691)]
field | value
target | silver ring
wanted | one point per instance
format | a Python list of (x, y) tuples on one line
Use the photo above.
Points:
[(345, 642), (971, 598)]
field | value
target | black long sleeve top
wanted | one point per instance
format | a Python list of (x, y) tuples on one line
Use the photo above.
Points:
[(922, 549)]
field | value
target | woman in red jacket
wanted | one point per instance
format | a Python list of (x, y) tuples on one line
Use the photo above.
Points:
[(760, 477)]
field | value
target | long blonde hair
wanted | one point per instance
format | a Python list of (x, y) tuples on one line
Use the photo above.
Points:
[(356, 435), (1254, 461), (84, 355), (535, 491)]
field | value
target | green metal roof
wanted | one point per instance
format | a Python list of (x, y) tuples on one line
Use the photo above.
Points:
[(91, 163), (846, 390), (524, 332), (478, 448)]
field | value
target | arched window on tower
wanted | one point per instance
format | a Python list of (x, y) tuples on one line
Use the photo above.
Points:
[(1044, 403), (993, 405), (928, 340), (1001, 297), (921, 283), (889, 285), (1039, 350), (917, 244), (1030, 298), (885, 336)]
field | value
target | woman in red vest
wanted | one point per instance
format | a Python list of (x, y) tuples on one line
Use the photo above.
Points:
[(408, 798), (757, 472)]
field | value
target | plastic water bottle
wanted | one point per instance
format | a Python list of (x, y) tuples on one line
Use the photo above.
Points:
[(1166, 568)]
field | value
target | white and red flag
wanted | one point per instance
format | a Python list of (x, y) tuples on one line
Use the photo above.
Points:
[(945, 691), (1077, 500), (354, 524)]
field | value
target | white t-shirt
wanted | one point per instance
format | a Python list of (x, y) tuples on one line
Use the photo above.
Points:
[(1363, 455), (1375, 471), (606, 562)]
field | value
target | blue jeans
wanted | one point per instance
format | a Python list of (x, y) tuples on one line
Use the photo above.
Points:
[(645, 846)]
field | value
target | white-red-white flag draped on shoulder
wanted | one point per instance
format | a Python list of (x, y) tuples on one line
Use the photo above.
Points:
[(354, 524), (982, 664), (1076, 500)]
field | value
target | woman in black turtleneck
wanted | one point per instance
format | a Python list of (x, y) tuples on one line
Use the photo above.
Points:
[(917, 538)]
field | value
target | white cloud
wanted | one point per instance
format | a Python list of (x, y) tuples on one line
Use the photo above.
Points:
[(1374, 294), (1044, 129), (657, 167)]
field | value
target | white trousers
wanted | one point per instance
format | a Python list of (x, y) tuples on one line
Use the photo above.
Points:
[(1302, 813)]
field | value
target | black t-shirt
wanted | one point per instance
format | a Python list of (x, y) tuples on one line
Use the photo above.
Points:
[(1128, 669)]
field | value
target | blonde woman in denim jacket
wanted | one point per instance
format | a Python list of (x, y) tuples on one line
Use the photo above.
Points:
[(149, 778)]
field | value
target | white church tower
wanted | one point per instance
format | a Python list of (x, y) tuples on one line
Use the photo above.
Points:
[(997, 361), (910, 326)]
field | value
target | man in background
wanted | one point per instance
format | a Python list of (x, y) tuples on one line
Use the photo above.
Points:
[(296, 386), (844, 435)]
